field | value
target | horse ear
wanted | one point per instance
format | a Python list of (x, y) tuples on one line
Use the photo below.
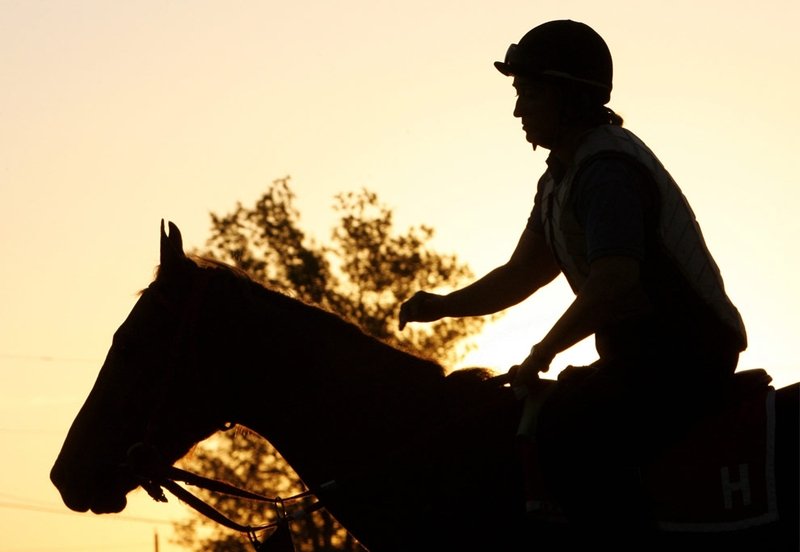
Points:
[(171, 246)]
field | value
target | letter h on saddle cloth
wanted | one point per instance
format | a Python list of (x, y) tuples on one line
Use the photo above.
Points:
[(719, 477)]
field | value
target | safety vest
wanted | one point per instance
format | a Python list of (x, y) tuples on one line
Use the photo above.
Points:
[(677, 226)]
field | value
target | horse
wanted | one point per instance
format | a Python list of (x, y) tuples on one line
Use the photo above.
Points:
[(404, 456)]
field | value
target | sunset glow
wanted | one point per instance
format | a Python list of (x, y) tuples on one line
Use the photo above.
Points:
[(118, 114)]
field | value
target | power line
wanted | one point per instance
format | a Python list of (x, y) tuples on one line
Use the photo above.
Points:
[(24, 500), (126, 546), (61, 511), (29, 430), (20, 503), (46, 358)]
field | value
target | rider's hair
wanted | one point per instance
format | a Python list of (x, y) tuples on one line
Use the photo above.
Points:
[(614, 118)]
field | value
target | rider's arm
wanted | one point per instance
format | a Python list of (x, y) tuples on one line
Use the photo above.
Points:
[(611, 294), (613, 206), (530, 267)]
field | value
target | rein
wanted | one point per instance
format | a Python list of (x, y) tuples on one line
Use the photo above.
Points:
[(155, 475)]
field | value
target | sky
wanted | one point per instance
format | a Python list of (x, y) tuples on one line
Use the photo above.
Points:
[(118, 114)]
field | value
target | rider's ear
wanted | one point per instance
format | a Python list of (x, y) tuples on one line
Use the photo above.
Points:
[(172, 255)]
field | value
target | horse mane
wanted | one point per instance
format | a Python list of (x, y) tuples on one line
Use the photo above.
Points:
[(314, 315)]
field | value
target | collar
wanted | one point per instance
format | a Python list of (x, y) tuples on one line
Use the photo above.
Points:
[(556, 167)]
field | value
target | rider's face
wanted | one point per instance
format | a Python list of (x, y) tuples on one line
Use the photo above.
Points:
[(538, 107)]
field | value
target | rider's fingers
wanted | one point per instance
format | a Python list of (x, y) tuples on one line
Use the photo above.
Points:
[(543, 368), (408, 311), (403, 316)]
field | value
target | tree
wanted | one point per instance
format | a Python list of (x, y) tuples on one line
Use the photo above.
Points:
[(362, 276)]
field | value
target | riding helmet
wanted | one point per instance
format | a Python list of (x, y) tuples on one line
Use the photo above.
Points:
[(563, 49)]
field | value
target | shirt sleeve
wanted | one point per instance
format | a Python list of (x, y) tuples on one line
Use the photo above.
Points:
[(610, 205), (535, 223)]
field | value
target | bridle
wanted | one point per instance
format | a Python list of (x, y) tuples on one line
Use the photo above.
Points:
[(154, 474)]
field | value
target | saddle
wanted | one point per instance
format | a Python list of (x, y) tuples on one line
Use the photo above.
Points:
[(719, 476)]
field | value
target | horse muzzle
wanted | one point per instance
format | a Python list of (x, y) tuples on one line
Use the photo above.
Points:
[(97, 489)]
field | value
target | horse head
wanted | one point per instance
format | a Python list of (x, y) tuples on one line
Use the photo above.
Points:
[(148, 394)]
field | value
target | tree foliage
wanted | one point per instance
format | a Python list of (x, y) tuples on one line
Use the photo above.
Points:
[(362, 275)]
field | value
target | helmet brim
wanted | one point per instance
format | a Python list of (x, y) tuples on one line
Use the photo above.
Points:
[(504, 68)]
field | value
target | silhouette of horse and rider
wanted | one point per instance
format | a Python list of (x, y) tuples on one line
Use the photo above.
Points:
[(657, 444)]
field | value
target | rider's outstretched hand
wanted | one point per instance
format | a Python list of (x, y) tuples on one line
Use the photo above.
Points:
[(422, 307)]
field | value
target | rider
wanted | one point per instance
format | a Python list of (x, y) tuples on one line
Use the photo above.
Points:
[(610, 218)]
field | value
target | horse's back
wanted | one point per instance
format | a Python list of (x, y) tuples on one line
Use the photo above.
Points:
[(752, 460), (787, 453), (732, 481)]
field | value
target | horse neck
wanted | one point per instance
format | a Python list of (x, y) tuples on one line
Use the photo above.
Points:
[(332, 396)]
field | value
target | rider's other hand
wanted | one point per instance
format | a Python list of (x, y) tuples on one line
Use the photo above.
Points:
[(527, 372), (422, 307)]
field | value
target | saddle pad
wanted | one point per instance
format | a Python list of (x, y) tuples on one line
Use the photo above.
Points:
[(721, 477)]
